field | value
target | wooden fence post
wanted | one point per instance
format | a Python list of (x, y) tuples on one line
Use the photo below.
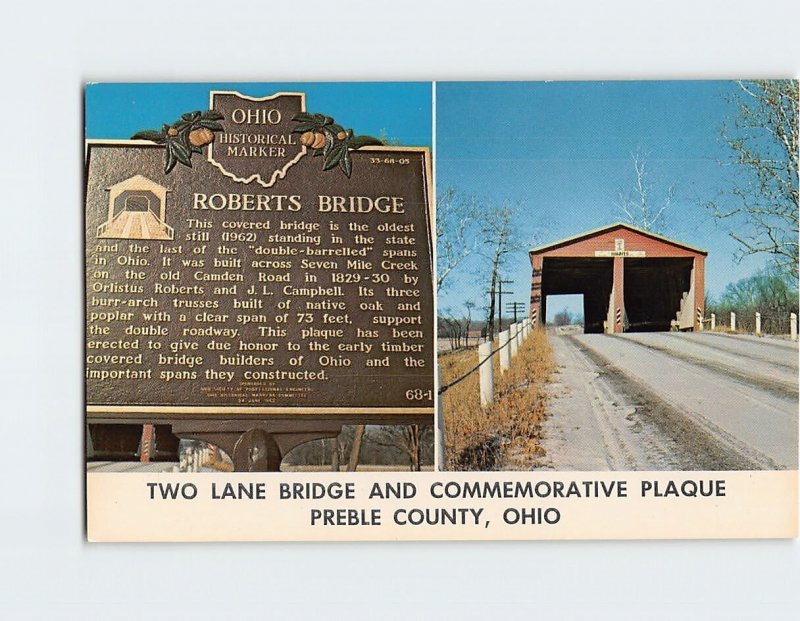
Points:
[(440, 458), (733, 322), (758, 324), (505, 352), (486, 374), (793, 326), (713, 322)]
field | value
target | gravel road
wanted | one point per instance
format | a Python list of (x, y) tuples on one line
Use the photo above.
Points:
[(672, 401)]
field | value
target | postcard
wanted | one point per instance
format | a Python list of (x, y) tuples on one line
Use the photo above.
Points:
[(438, 311)]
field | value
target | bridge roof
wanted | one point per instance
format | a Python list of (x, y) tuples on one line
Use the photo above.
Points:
[(613, 227), (139, 183)]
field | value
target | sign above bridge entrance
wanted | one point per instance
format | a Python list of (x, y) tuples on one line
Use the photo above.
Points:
[(620, 251)]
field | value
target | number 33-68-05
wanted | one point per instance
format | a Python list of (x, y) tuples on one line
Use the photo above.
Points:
[(389, 160)]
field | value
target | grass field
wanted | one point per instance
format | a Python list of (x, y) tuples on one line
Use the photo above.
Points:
[(506, 434)]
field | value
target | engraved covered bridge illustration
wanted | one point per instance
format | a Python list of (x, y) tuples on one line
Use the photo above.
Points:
[(136, 210)]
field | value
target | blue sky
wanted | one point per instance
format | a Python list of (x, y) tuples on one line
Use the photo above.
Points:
[(401, 109), (563, 151)]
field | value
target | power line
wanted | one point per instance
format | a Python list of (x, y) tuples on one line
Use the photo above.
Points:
[(515, 307), (499, 282)]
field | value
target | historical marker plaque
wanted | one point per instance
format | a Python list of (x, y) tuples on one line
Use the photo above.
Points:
[(257, 260)]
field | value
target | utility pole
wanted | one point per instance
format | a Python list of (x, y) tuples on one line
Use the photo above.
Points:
[(515, 307), (500, 282)]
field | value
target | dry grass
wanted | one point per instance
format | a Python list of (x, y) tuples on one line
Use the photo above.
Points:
[(506, 434)]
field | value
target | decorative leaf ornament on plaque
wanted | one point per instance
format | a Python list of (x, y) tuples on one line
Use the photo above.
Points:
[(330, 140), (184, 137)]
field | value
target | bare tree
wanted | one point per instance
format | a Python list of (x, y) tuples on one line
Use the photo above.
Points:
[(456, 233), (467, 226), (761, 207), (451, 327), (355, 450), (456, 329), (408, 438), (637, 204), (468, 306), (562, 317), (500, 239)]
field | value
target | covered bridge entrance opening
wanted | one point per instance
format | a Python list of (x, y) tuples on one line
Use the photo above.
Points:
[(565, 310), (655, 290), (591, 277), (631, 280)]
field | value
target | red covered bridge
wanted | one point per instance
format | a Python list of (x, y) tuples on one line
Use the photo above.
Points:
[(631, 280)]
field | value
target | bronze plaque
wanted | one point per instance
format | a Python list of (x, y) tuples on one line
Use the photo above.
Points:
[(261, 273)]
